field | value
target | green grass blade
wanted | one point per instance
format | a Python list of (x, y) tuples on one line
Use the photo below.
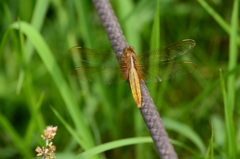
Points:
[(28, 91), (210, 151), (38, 18), (155, 35), (84, 24), (231, 138), (233, 54), (15, 137), (229, 101), (23, 62), (137, 9), (51, 65), (131, 31), (111, 145), (70, 129), (217, 17), (7, 14), (154, 44), (36, 119), (124, 142), (184, 146), (186, 131), (37, 21), (207, 90)]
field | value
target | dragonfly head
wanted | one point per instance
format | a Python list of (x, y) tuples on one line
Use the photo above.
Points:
[(129, 51)]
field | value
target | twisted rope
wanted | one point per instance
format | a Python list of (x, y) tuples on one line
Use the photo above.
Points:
[(148, 109)]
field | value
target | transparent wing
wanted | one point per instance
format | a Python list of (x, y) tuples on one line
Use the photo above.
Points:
[(99, 74), (89, 56), (166, 70), (168, 52), (103, 67)]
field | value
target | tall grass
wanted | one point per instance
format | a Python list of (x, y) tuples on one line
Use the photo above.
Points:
[(199, 110)]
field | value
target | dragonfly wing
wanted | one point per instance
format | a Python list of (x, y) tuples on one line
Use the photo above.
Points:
[(169, 52), (89, 56), (99, 74), (166, 70)]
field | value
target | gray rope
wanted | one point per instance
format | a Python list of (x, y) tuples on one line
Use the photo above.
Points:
[(111, 25), (155, 126), (148, 110)]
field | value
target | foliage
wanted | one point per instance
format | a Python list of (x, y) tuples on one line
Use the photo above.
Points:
[(36, 88)]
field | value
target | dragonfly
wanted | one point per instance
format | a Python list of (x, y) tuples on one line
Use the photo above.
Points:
[(153, 66)]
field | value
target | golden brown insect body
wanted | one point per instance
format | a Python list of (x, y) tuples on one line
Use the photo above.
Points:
[(132, 73)]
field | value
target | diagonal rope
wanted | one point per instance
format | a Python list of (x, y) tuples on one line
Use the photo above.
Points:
[(148, 109)]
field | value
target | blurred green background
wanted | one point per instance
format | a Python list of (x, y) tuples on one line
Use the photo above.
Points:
[(201, 114)]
